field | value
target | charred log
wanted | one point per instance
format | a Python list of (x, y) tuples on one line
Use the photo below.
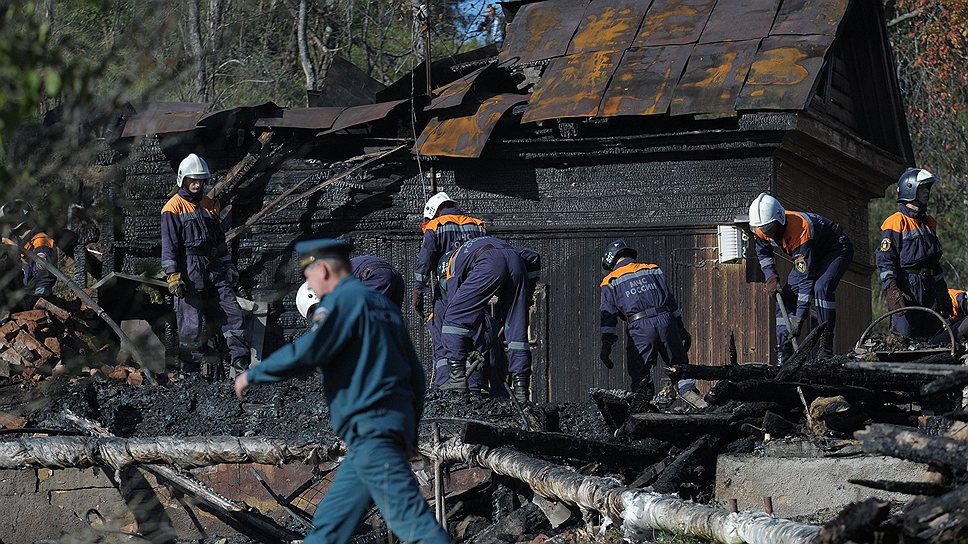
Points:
[(908, 488), (680, 470), (940, 520), (785, 393), (512, 527), (564, 445), (906, 443), (855, 523)]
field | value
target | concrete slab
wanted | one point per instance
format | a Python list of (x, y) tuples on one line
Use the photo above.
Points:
[(17, 482), (806, 486)]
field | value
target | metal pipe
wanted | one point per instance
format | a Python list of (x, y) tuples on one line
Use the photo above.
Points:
[(944, 323)]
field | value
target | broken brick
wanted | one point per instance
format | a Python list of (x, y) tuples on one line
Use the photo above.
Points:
[(29, 316), (59, 313), (135, 378), (53, 344), (9, 329)]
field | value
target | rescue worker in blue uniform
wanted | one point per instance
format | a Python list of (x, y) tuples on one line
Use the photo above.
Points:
[(909, 258), (959, 323), (638, 294), (445, 230), (199, 269), (376, 273), (821, 253), (374, 385), (487, 342), (478, 270), (37, 280)]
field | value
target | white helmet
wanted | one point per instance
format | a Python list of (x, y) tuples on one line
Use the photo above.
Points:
[(765, 209), (430, 209), (305, 299), (192, 166)]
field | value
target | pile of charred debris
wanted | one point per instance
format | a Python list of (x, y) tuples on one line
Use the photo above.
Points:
[(495, 471)]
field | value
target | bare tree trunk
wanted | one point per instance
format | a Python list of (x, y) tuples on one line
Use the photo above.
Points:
[(419, 10), (116, 25), (307, 63), (49, 12), (197, 52)]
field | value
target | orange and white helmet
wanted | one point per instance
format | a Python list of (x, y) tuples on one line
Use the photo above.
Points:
[(192, 166)]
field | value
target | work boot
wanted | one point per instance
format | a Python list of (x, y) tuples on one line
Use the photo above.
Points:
[(457, 378), (521, 387), (826, 343)]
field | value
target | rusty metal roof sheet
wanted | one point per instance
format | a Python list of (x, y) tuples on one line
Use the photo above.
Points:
[(453, 93), (783, 73), (608, 25), (306, 118), (713, 78), (542, 31), (737, 20), (572, 86), (673, 22), (233, 116), (644, 81), (465, 136), (162, 123), (149, 108), (359, 115), (809, 17)]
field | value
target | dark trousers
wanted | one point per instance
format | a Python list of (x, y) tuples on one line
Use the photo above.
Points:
[(922, 291), (648, 339), (831, 269), (376, 469), (501, 273), (495, 366), (208, 294)]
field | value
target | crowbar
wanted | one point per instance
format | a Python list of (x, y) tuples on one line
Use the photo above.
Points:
[(786, 320)]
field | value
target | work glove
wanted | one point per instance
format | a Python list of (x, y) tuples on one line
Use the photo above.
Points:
[(231, 274), (895, 298), (175, 285), (417, 302), (773, 285), (943, 300), (684, 336), (606, 355), (795, 322)]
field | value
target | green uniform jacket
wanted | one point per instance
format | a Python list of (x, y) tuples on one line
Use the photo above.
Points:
[(364, 351)]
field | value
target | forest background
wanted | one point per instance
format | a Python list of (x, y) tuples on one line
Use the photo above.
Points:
[(95, 55)]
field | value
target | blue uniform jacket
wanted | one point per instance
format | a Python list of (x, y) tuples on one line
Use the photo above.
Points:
[(807, 238), (363, 350), (908, 240), (462, 260), (633, 288), (379, 275), (444, 233), (190, 222)]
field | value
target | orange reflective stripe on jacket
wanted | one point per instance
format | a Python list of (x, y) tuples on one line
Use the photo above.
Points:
[(626, 269), (454, 219), (955, 294), (38, 241)]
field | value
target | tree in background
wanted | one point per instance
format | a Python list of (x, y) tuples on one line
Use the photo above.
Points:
[(930, 41)]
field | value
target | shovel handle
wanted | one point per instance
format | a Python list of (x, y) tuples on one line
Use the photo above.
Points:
[(786, 320)]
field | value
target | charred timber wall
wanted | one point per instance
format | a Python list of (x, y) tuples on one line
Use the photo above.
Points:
[(667, 205)]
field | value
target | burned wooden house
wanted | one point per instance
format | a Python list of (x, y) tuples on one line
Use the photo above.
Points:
[(654, 121)]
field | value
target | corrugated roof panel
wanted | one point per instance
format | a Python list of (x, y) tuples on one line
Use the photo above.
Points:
[(542, 31), (609, 25), (737, 20), (803, 17), (306, 118), (572, 86), (714, 77), (453, 93), (466, 136), (359, 115), (673, 22), (783, 73), (644, 81)]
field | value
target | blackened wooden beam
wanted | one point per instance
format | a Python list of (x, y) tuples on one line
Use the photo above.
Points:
[(906, 443), (941, 519), (785, 393), (675, 426), (564, 445), (908, 488), (701, 451), (855, 523)]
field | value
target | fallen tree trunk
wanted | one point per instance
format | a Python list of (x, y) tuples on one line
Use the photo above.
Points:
[(641, 511), (907, 443), (191, 452)]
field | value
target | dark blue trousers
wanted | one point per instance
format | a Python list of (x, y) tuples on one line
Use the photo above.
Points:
[(831, 269), (376, 469), (501, 273), (208, 293), (648, 339), (917, 324), (495, 361)]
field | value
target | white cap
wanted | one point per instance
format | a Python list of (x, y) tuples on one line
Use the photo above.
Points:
[(765, 209), (305, 299), (430, 209), (192, 166)]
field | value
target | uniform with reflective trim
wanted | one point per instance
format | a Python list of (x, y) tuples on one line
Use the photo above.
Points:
[(446, 232), (821, 253), (38, 280), (379, 275), (375, 386), (638, 291), (192, 242), (910, 256)]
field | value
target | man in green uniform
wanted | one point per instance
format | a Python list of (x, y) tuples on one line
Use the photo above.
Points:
[(375, 387)]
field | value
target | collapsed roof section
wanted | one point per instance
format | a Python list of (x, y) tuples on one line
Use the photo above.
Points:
[(601, 59)]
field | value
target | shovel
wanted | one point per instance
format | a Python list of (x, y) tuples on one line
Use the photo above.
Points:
[(786, 320)]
